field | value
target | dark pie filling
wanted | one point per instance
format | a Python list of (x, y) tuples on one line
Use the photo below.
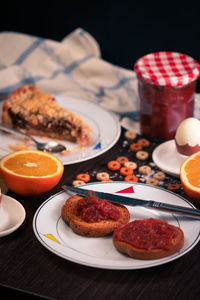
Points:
[(60, 126)]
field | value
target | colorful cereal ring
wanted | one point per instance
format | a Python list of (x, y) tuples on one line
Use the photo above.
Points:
[(134, 147), (122, 159), (102, 176), (131, 178), (126, 171), (84, 177), (113, 165), (143, 142)]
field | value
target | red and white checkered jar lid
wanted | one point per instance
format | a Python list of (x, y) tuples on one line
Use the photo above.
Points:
[(167, 68)]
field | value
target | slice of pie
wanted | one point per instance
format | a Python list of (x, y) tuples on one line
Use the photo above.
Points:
[(37, 113)]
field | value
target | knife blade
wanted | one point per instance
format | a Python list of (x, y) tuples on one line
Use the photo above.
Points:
[(133, 201)]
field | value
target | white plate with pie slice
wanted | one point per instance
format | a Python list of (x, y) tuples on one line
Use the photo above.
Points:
[(105, 131), (57, 237)]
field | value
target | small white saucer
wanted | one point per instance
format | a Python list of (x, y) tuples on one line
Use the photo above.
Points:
[(12, 215), (167, 158)]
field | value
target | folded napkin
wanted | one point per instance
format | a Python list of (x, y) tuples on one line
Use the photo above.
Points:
[(72, 67)]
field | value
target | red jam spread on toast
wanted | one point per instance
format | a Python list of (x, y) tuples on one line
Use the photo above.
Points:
[(93, 209), (147, 234)]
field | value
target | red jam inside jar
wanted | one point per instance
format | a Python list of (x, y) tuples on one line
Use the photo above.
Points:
[(93, 209), (166, 87), (163, 108)]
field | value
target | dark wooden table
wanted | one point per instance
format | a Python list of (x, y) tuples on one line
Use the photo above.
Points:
[(29, 270)]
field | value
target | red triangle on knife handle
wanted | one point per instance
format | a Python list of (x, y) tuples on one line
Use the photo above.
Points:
[(127, 190)]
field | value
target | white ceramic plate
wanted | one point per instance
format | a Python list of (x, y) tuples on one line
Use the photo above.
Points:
[(58, 237), (166, 157), (12, 215), (104, 125)]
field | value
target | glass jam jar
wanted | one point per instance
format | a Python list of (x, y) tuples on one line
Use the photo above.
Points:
[(166, 87)]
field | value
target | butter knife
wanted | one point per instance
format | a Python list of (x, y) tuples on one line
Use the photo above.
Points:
[(134, 201)]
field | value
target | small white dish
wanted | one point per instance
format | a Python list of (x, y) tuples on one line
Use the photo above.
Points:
[(167, 158), (12, 215)]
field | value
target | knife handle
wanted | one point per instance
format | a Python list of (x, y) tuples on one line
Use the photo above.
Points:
[(174, 208)]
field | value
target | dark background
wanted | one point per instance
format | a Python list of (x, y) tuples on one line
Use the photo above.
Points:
[(125, 30)]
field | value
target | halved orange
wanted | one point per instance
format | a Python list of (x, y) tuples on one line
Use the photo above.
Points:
[(31, 172), (190, 176)]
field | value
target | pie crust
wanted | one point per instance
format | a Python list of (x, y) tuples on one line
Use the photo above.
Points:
[(37, 113)]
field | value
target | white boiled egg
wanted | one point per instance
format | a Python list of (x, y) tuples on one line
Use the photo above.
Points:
[(187, 136)]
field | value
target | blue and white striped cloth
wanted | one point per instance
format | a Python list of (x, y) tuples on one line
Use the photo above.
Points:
[(72, 67)]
